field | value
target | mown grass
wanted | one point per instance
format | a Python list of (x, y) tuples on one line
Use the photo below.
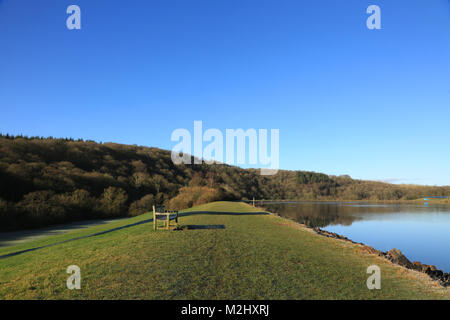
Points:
[(255, 257)]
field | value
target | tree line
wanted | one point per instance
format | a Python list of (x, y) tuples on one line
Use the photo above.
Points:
[(48, 181)]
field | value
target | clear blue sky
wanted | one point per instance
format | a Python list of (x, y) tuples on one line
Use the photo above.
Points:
[(347, 100)]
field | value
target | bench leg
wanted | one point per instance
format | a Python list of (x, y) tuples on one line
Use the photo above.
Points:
[(154, 219)]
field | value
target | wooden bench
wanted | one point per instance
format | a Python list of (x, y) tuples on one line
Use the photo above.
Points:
[(164, 215)]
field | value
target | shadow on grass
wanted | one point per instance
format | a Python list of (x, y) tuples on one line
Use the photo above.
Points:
[(205, 226), (12, 238), (77, 238), (183, 214)]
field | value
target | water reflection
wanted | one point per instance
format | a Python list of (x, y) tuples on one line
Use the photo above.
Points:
[(323, 214), (421, 232)]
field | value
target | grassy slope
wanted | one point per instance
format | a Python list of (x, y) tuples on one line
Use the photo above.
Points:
[(256, 256)]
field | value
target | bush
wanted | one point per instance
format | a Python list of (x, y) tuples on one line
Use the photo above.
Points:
[(78, 205), (145, 204), (193, 196), (6, 217), (40, 208), (113, 202)]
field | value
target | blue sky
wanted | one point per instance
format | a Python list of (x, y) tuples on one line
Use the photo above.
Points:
[(373, 104)]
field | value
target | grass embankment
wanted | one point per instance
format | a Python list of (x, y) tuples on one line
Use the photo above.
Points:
[(255, 256)]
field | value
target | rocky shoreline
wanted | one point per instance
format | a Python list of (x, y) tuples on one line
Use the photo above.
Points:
[(395, 256)]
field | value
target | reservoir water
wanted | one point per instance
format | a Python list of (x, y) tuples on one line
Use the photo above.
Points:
[(421, 232)]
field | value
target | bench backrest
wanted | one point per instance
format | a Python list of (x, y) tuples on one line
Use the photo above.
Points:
[(166, 215), (163, 212)]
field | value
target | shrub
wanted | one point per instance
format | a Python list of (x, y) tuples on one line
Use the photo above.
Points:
[(78, 204), (143, 205), (193, 196), (113, 202)]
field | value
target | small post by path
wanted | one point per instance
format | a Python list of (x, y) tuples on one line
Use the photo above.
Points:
[(154, 218), (253, 201)]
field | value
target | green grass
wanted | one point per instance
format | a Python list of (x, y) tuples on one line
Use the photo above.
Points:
[(255, 257)]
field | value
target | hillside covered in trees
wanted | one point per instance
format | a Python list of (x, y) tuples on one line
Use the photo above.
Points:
[(48, 181)]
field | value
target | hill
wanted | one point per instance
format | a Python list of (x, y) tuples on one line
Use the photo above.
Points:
[(48, 181)]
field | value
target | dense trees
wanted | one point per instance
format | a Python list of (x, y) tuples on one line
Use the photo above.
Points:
[(46, 181), (144, 204), (113, 202), (193, 196), (304, 177)]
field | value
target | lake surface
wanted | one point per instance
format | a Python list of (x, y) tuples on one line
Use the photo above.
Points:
[(421, 232)]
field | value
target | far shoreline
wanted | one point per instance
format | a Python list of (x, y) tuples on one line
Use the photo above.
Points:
[(416, 201)]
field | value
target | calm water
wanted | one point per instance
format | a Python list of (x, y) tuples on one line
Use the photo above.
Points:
[(421, 232)]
